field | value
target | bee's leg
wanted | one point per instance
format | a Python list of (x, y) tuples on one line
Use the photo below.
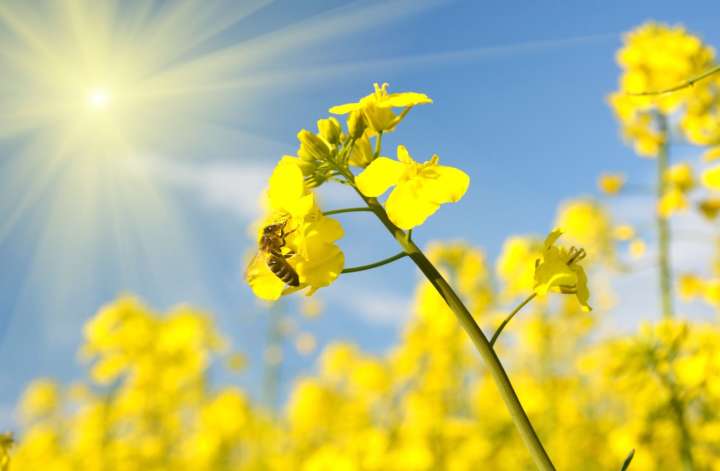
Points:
[(290, 254)]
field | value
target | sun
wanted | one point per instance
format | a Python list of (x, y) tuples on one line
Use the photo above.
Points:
[(98, 98)]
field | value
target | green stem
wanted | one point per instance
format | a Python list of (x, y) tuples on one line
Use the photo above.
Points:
[(380, 263), (689, 83), (509, 318), (628, 460), (512, 402), (345, 210), (663, 224)]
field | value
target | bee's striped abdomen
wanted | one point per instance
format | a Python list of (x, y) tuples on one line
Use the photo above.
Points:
[(283, 270)]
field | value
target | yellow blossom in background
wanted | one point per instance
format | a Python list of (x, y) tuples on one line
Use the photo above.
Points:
[(376, 108), (637, 248), (709, 207), (711, 178), (516, 264), (420, 188), (680, 176), (690, 286), (711, 154), (586, 223), (624, 232), (611, 183), (559, 270), (42, 398), (305, 343), (656, 57), (310, 236), (671, 202)]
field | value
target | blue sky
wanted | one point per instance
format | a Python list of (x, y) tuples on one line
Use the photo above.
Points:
[(519, 103)]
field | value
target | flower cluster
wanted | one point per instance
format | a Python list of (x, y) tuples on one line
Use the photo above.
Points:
[(296, 241)]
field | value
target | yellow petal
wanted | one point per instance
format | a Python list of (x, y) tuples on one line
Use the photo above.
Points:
[(286, 183), (263, 282), (345, 109), (380, 175), (448, 184), (401, 100), (407, 208), (404, 156)]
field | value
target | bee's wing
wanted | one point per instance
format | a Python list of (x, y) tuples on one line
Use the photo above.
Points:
[(256, 265)]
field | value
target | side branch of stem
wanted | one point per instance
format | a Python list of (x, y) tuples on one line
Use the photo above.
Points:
[(379, 263), (509, 318)]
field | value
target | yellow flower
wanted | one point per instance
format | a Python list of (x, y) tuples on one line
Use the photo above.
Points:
[(558, 270), (309, 237), (690, 286), (611, 183), (709, 207), (623, 232), (419, 190), (711, 154), (680, 176), (672, 201), (637, 248), (711, 178), (376, 108)]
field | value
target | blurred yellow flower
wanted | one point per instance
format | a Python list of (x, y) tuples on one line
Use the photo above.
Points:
[(637, 248), (711, 178), (419, 190), (671, 202), (709, 207), (558, 270), (624, 232), (611, 183), (41, 398), (305, 343), (690, 286), (711, 154), (377, 107), (680, 176)]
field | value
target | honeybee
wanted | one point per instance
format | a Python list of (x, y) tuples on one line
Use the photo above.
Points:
[(270, 246)]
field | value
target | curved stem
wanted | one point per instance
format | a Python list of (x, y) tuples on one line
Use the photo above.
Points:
[(380, 263), (346, 210), (509, 318), (689, 83), (497, 372), (628, 460)]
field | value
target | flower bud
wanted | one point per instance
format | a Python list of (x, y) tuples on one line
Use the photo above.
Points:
[(312, 147), (330, 130), (356, 124), (362, 153)]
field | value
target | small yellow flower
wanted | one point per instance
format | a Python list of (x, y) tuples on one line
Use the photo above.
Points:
[(558, 270), (624, 232), (611, 183), (672, 201), (711, 178), (690, 286), (419, 190), (309, 236), (711, 154), (680, 176), (377, 107), (637, 248), (709, 207)]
